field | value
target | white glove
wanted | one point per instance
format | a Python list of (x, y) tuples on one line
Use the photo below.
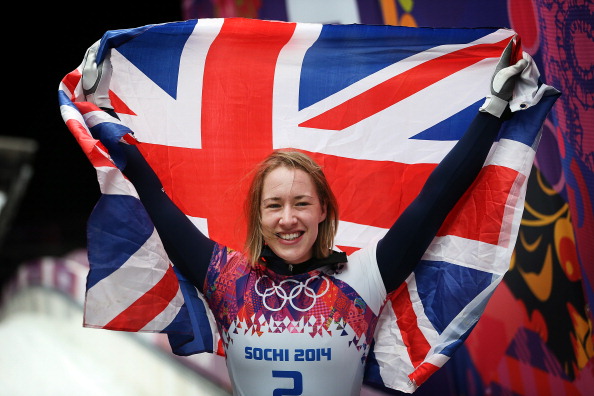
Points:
[(95, 78), (502, 83)]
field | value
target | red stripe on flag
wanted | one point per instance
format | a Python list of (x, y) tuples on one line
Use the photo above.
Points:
[(348, 249), (88, 144), (118, 105), (71, 80), (147, 307), (129, 139), (372, 192), (423, 372), (406, 318), (402, 86), (86, 107), (479, 213)]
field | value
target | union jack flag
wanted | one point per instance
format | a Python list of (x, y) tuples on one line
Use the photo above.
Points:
[(377, 106)]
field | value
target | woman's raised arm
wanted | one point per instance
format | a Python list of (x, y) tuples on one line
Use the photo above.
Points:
[(399, 251), (188, 248)]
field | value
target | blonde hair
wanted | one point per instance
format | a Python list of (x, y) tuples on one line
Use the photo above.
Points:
[(292, 160)]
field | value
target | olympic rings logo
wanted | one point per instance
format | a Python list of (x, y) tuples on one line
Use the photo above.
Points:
[(296, 289)]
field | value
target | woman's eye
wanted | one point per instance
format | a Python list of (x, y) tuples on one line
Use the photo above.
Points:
[(303, 204)]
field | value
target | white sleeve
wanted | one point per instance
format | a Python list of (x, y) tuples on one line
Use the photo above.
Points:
[(363, 275)]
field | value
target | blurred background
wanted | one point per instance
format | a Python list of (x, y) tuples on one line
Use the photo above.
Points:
[(535, 337)]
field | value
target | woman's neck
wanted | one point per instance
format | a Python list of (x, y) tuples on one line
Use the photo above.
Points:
[(279, 266)]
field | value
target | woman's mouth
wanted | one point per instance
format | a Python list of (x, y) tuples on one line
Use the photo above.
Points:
[(289, 236)]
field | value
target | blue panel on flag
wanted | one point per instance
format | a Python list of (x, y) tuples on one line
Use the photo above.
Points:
[(157, 53), (110, 134), (451, 128), (63, 99), (115, 38), (349, 53), (445, 289), (372, 370), (117, 228), (190, 331)]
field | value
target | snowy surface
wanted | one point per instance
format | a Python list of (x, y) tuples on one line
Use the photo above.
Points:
[(46, 351)]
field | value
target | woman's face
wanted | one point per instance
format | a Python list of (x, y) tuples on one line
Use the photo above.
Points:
[(291, 212)]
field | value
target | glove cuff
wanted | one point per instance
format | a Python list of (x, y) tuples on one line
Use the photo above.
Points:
[(494, 105)]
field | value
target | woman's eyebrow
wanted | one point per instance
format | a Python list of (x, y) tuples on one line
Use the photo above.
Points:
[(271, 199), (302, 196)]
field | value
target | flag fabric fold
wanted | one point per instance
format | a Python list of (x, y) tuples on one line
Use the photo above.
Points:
[(377, 106)]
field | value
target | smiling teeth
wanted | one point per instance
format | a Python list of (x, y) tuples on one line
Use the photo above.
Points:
[(289, 237)]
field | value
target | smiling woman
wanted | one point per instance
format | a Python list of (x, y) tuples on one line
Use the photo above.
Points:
[(292, 313)]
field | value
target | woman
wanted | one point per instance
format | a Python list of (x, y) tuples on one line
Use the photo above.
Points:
[(296, 317)]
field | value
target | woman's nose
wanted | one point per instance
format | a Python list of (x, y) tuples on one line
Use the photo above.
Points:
[(287, 216)]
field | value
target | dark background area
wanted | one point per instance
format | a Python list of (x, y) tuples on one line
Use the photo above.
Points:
[(49, 42)]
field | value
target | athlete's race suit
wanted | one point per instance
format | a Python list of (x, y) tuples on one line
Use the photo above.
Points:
[(308, 332), (305, 334)]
